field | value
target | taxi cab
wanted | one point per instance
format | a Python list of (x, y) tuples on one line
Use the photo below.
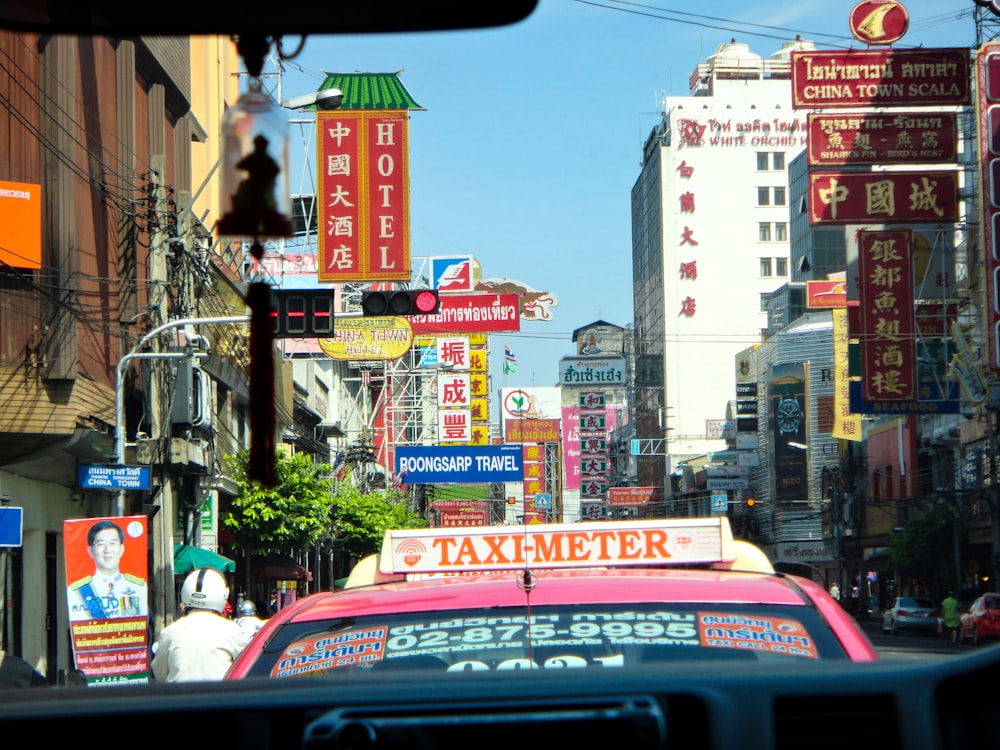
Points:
[(597, 596)]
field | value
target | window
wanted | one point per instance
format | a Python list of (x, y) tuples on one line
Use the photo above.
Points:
[(762, 161), (781, 231), (779, 196), (781, 266), (764, 230), (763, 196), (778, 160), (765, 266)]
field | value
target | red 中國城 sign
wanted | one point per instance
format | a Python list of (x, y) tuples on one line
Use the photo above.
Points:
[(884, 78), (888, 344), (364, 200), (882, 197)]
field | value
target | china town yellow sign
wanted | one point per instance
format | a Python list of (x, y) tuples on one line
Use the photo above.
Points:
[(369, 338)]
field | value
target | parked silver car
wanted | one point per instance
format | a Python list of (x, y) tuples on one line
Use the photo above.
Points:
[(915, 613)]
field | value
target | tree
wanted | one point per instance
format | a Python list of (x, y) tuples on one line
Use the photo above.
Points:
[(294, 514), (923, 549), (360, 520)]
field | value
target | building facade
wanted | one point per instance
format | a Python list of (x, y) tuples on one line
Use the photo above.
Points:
[(710, 236)]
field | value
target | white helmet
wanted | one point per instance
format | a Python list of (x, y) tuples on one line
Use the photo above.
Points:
[(205, 589)]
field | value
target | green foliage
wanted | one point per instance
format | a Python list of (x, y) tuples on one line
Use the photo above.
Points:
[(923, 550), (294, 514), (304, 508), (360, 520)]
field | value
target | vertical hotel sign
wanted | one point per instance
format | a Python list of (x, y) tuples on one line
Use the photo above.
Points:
[(888, 343), (988, 128), (364, 200)]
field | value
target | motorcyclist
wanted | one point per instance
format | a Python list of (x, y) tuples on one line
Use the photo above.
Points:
[(246, 618), (203, 643)]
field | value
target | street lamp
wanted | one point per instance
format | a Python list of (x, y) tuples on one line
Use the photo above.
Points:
[(325, 100)]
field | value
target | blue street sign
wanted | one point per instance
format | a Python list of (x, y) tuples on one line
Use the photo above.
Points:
[(113, 477), (460, 464), (11, 527), (543, 501)]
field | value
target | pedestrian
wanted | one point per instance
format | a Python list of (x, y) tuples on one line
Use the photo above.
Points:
[(950, 619), (203, 643), (835, 591), (15, 672), (246, 618)]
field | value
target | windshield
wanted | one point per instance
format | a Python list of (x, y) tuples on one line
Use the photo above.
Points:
[(266, 300), (577, 637)]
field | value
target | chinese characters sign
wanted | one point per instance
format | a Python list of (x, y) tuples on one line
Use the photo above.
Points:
[(988, 126), (364, 201), (886, 197), (885, 78), (861, 139), (846, 424), (888, 344)]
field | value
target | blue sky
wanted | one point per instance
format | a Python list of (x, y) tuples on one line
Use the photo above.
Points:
[(530, 143)]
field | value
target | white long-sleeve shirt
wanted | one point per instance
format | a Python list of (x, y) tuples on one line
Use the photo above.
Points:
[(199, 646)]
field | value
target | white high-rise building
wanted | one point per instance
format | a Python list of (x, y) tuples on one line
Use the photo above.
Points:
[(710, 220)]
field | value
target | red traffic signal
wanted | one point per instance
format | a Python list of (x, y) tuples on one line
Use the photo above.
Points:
[(401, 302)]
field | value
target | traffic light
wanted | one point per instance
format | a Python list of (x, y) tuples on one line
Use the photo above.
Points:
[(511, 500), (751, 502), (401, 302)]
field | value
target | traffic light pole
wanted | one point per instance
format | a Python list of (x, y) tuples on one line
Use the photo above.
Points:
[(123, 363)]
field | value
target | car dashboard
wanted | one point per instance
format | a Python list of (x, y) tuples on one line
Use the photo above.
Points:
[(887, 704)]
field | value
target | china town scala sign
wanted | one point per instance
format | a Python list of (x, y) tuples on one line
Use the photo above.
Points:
[(884, 78)]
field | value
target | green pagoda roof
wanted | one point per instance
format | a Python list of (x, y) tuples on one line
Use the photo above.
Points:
[(370, 91)]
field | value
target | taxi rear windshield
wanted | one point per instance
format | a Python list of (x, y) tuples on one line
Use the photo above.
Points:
[(591, 637)]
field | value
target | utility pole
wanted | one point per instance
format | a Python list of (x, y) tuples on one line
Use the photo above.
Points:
[(163, 538)]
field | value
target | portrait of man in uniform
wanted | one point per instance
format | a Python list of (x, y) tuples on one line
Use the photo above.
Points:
[(107, 592)]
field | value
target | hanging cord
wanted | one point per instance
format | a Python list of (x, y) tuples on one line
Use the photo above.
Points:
[(261, 467)]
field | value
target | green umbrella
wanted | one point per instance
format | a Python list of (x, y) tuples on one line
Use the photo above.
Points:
[(188, 558)]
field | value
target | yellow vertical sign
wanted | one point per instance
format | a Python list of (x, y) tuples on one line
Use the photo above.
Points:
[(846, 426)]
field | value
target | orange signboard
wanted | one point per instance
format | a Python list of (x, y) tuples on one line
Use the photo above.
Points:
[(822, 293), (531, 430), (21, 224)]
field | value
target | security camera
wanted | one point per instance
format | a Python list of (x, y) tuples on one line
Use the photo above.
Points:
[(326, 99)]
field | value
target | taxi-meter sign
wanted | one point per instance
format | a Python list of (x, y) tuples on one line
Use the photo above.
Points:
[(607, 543)]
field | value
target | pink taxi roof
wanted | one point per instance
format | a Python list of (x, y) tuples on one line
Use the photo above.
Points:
[(550, 587)]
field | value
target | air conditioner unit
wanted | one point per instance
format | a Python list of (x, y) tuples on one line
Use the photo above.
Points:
[(145, 451)]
